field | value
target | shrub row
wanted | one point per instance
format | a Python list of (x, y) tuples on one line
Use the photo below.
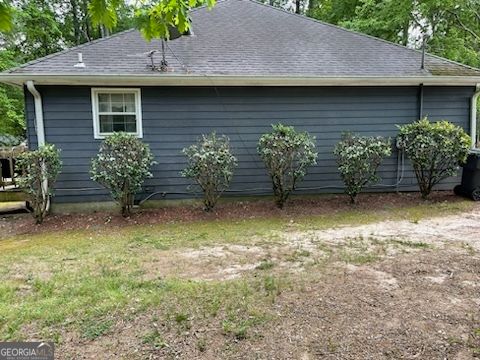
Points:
[(123, 162)]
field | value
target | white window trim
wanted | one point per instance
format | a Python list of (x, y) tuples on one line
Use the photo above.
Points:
[(95, 106)]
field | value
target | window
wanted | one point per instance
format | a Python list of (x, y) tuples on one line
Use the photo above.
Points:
[(116, 110)]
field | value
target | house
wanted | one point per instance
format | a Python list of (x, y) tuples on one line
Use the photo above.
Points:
[(244, 66)]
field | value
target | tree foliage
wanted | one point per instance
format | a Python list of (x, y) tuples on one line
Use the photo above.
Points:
[(39, 170), (6, 15), (287, 154), (156, 21), (452, 27), (104, 12), (210, 164), (122, 165), (358, 158), (40, 35), (12, 120), (435, 149)]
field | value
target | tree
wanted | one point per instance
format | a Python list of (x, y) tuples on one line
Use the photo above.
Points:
[(40, 35), (452, 27), (12, 120)]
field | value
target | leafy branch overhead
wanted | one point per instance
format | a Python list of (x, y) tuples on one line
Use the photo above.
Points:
[(154, 19), (104, 12), (6, 15)]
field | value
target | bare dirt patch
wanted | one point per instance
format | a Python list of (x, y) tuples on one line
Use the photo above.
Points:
[(295, 251), (385, 310), (459, 229)]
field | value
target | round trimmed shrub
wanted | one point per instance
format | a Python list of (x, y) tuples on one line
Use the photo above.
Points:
[(122, 165), (358, 158), (210, 164), (287, 155), (436, 149)]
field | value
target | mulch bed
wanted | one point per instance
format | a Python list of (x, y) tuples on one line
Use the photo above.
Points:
[(21, 224)]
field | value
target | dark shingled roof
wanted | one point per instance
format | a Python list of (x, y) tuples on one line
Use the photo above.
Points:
[(244, 37)]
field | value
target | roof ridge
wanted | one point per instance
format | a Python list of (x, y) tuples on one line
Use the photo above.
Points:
[(64, 51), (359, 33)]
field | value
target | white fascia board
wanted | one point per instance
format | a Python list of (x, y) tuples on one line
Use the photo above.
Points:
[(226, 80)]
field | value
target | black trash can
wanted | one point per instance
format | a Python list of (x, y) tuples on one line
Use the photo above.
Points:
[(470, 186)]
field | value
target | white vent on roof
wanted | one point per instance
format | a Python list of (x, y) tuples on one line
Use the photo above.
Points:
[(80, 63)]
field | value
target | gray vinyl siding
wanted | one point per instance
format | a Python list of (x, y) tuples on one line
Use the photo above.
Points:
[(174, 117)]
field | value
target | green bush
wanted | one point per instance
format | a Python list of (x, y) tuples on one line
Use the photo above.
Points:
[(39, 170), (287, 154), (435, 149), (122, 165), (211, 165), (358, 158)]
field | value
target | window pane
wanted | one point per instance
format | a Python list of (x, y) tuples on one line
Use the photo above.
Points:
[(117, 98), (104, 107), (129, 97), (104, 98), (104, 102), (117, 106), (131, 127), (129, 101), (106, 123), (130, 107), (117, 102), (131, 123)]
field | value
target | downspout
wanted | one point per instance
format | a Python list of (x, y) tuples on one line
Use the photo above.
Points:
[(420, 102), (40, 129), (473, 117)]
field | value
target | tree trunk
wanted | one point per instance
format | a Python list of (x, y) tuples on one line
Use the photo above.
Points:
[(297, 6), (353, 199), (311, 7), (76, 21), (85, 20)]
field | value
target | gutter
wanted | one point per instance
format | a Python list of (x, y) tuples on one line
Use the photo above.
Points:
[(40, 129), (173, 79), (473, 117)]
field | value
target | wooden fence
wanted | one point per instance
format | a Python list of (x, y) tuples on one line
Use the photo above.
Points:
[(7, 165)]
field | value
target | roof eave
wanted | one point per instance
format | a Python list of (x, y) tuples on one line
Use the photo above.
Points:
[(229, 80)]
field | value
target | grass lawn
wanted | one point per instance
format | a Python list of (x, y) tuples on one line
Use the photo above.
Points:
[(201, 289)]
